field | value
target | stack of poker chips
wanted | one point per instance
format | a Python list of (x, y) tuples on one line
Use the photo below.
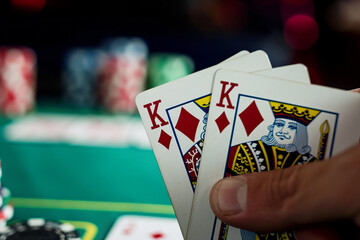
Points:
[(165, 67), (17, 80), (123, 74), (6, 209), (39, 228), (80, 76)]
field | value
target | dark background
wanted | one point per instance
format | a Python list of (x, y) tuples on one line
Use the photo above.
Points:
[(52, 27)]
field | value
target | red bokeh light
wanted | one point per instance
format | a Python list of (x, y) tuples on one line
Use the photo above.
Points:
[(301, 32), (28, 5)]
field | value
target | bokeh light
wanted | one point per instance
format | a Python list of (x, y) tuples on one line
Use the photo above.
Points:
[(28, 5), (301, 32), (344, 16)]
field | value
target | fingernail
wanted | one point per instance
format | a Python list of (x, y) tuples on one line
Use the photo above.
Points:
[(231, 197)]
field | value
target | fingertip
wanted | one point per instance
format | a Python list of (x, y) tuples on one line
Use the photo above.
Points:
[(357, 90), (228, 196)]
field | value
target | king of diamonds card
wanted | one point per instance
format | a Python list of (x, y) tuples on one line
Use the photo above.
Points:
[(260, 124)]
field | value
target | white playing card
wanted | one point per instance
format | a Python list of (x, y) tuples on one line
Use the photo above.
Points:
[(169, 132), (145, 228), (258, 123), (239, 54), (295, 72)]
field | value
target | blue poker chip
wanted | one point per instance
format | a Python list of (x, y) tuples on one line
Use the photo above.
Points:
[(131, 46), (80, 75), (80, 93), (83, 60), (39, 229)]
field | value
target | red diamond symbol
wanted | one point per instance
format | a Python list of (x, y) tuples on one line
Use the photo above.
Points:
[(164, 139), (157, 235), (222, 122), (251, 118), (187, 124)]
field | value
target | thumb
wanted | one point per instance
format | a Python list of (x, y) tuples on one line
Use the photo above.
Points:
[(293, 197)]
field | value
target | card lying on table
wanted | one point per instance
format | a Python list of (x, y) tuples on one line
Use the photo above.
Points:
[(132, 227), (259, 123)]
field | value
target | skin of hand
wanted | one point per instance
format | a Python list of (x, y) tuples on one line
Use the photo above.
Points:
[(357, 90), (318, 201), (314, 199)]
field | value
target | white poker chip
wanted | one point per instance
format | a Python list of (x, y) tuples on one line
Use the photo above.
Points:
[(36, 222), (67, 227)]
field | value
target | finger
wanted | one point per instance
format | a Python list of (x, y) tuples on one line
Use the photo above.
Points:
[(357, 90), (287, 198), (317, 233), (330, 231)]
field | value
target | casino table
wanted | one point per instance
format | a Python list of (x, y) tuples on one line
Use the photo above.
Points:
[(87, 185)]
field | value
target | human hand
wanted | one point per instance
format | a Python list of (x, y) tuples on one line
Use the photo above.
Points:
[(319, 200)]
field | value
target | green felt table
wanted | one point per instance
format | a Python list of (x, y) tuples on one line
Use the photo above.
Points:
[(87, 186)]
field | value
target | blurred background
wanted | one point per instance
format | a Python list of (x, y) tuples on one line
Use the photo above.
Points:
[(67, 66), (206, 31)]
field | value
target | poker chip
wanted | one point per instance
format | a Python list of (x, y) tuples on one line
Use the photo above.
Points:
[(123, 74), (39, 229), (79, 77), (5, 195), (165, 67), (17, 80)]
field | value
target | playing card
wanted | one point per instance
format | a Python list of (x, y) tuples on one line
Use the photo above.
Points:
[(145, 228), (259, 123), (174, 116), (295, 72), (239, 54)]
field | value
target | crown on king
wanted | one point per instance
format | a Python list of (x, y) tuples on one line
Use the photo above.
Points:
[(293, 112)]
